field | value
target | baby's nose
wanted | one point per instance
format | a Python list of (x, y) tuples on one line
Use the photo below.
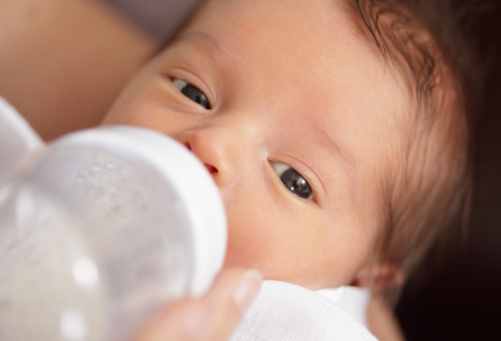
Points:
[(230, 146), (213, 170), (214, 152), (210, 168)]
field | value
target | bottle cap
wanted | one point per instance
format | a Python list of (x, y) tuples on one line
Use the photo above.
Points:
[(17, 138), (180, 170)]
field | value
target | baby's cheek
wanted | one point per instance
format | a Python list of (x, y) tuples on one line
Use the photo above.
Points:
[(138, 115), (138, 104), (246, 249), (254, 239)]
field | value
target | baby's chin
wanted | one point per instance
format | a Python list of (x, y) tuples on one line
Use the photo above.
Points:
[(277, 273)]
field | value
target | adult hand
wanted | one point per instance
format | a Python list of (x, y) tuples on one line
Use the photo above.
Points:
[(211, 317)]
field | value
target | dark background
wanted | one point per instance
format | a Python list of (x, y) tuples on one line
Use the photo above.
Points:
[(460, 299)]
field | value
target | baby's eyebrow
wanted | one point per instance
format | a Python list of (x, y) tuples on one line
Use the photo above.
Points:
[(340, 152), (345, 154), (205, 43), (207, 40)]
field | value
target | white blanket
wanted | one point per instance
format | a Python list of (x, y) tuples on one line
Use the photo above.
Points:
[(283, 311)]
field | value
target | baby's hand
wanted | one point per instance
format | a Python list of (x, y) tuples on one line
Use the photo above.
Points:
[(211, 317)]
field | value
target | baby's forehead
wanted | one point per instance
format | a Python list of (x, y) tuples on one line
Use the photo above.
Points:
[(311, 49), (285, 15), (309, 29), (309, 58)]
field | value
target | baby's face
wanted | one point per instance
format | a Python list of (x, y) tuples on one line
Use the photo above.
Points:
[(294, 114)]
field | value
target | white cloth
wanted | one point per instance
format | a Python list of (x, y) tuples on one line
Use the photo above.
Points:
[(284, 311)]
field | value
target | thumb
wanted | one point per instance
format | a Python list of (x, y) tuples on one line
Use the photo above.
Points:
[(211, 317)]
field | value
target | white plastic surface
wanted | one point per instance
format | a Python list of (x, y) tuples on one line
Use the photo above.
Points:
[(17, 138), (199, 194)]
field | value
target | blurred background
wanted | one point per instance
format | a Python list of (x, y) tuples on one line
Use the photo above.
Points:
[(158, 18), (460, 298)]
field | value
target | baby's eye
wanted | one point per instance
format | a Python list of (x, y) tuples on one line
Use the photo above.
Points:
[(294, 181), (192, 92)]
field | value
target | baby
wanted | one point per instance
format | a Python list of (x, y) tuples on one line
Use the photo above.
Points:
[(336, 130)]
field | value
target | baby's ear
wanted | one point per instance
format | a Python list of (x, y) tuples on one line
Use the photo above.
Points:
[(380, 277)]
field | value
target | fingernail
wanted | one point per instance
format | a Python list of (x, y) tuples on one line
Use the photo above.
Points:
[(197, 321), (248, 289)]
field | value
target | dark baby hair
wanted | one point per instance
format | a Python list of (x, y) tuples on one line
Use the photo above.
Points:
[(427, 199)]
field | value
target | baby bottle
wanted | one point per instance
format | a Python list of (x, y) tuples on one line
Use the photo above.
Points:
[(100, 229)]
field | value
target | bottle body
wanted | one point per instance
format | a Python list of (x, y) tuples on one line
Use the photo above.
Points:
[(39, 294), (93, 240)]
